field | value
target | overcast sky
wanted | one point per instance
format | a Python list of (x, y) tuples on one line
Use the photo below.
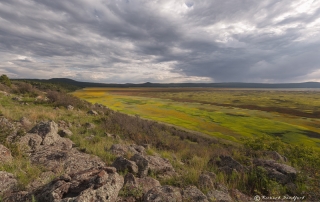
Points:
[(120, 41)]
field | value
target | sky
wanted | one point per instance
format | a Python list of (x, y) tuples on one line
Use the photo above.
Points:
[(163, 41)]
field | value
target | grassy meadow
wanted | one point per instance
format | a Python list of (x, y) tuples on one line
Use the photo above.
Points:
[(231, 114)]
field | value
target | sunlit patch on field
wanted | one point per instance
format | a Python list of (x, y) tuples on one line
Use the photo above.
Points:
[(228, 114)]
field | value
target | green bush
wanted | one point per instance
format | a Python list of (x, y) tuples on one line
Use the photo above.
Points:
[(5, 80)]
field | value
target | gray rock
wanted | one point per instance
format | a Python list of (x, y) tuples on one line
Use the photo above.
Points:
[(123, 164), (228, 164), (16, 196), (206, 180), (65, 132), (97, 184), (144, 184), (89, 125), (193, 194), (57, 159), (42, 179), (7, 182), (163, 194), (48, 131), (63, 144), (154, 164), (280, 172), (122, 149), (5, 154), (216, 195), (70, 107), (92, 112), (142, 163), (160, 166), (30, 142)]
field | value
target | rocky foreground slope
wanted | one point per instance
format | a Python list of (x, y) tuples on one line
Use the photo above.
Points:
[(134, 167), (83, 177)]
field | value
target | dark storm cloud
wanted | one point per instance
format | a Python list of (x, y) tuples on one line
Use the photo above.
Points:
[(161, 41)]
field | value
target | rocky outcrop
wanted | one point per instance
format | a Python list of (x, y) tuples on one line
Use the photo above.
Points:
[(47, 148), (154, 164), (206, 180), (144, 184), (227, 164), (142, 163), (57, 160), (122, 150), (163, 194), (97, 184), (65, 132), (193, 194), (5, 154), (7, 183), (48, 131), (122, 164), (30, 142), (282, 173)]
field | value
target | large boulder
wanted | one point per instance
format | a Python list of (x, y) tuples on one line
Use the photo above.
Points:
[(57, 159), (163, 194), (193, 194), (48, 131), (282, 173), (30, 142), (154, 164), (122, 164), (44, 134), (142, 163), (5, 154), (142, 184), (97, 184), (7, 182)]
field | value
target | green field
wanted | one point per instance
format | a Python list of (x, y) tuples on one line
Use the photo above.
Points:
[(230, 114)]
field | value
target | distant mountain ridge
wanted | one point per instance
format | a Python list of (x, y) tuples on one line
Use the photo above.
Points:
[(165, 85)]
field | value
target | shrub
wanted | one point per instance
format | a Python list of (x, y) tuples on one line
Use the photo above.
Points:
[(26, 88), (5, 80), (64, 99)]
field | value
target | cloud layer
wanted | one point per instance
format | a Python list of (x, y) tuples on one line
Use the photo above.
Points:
[(124, 41)]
